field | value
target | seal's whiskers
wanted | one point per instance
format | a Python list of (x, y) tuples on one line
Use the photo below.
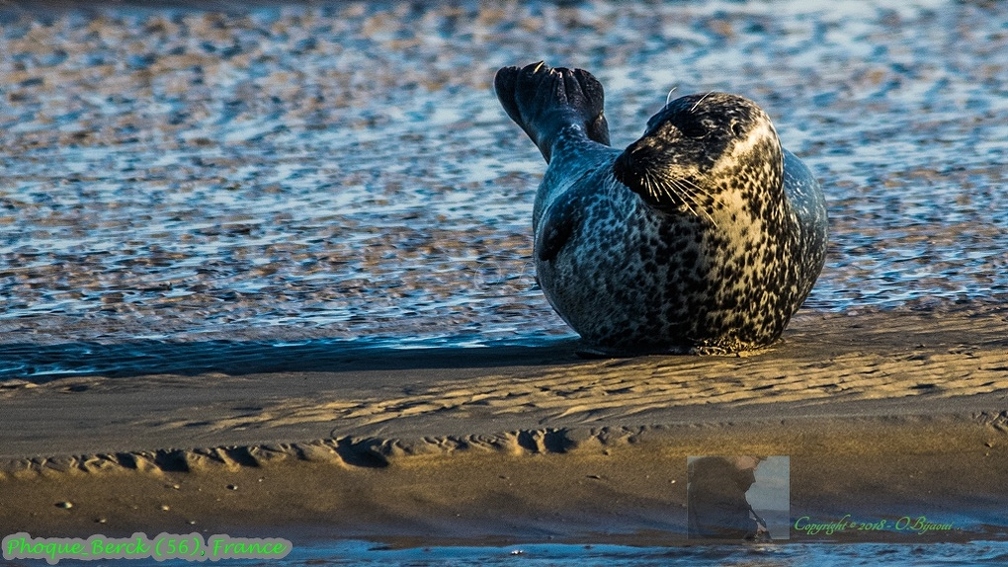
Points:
[(681, 190), (668, 97), (704, 97)]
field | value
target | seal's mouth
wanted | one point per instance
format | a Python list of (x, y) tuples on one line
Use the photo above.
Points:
[(641, 171), (636, 170), (638, 166)]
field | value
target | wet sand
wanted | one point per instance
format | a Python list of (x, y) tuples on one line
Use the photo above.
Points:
[(883, 414), (223, 224)]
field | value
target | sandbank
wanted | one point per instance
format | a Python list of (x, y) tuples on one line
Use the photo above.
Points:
[(884, 414)]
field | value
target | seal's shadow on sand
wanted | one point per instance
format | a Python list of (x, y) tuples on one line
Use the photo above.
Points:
[(43, 363), (912, 346)]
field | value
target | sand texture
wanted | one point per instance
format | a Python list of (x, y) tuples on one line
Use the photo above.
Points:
[(267, 270), (883, 415)]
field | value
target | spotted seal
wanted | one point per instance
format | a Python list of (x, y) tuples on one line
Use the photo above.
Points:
[(703, 236)]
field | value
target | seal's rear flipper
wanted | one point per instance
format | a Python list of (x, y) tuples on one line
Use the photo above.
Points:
[(544, 101)]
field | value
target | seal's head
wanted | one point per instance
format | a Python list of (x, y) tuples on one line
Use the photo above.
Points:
[(697, 145)]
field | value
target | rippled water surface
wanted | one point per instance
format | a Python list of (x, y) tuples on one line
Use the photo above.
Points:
[(344, 171)]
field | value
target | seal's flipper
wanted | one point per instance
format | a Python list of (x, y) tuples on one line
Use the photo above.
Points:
[(544, 101), (563, 218)]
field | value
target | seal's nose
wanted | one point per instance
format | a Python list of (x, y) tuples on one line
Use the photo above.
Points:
[(623, 166), (630, 164)]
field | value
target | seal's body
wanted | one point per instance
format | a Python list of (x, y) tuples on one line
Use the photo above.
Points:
[(702, 236)]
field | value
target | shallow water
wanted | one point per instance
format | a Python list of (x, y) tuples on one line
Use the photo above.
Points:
[(345, 173), (819, 554)]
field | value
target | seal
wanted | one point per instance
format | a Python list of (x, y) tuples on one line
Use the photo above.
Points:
[(703, 236)]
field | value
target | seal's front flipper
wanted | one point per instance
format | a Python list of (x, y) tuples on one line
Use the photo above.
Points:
[(561, 220), (544, 101)]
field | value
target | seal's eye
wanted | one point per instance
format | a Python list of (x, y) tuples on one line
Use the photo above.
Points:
[(693, 128)]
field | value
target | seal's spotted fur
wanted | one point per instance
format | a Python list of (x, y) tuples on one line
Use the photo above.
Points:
[(702, 236)]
